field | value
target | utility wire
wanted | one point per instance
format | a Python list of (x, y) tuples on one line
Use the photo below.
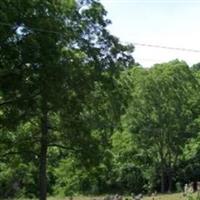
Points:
[(135, 43), (166, 47), (147, 59)]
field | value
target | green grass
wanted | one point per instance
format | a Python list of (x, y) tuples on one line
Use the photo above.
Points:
[(177, 196)]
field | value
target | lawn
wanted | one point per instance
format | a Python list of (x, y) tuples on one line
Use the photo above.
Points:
[(177, 196)]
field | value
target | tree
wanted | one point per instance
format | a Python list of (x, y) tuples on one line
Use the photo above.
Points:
[(52, 55), (126, 169), (160, 114)]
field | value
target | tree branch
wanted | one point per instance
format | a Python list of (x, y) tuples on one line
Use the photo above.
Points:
[(17, 153), (18, 99), (60, 146)]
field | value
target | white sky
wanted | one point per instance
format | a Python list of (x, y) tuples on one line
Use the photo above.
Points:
[(173, 23)]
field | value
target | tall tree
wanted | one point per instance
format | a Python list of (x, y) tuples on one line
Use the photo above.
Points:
[(160, 114), (52, 55)]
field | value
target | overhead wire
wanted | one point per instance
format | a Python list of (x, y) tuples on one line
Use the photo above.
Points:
[(134, 43), (166, 47)]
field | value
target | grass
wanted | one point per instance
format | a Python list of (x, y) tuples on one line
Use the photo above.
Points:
[(174, 196), (177, 196)]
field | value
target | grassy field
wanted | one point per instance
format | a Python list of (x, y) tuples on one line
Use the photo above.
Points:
[(178, 196)]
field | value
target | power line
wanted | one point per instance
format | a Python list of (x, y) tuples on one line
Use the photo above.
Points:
[(135, 43), (166, 47), (147, 59)]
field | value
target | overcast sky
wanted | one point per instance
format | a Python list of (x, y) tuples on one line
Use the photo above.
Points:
[(173, 23)]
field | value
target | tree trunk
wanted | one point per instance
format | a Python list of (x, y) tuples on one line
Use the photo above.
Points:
[(162, 180), (43, 157), (170, 180), (162, 166)]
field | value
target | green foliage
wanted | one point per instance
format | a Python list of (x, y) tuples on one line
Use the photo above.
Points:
[(131, 129), (17, 179), (53, 54), (69, 177), (192, 197), (70, 95), (159, 115), (127, 173)]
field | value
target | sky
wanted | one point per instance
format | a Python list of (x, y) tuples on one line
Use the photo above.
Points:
[(170, 23)]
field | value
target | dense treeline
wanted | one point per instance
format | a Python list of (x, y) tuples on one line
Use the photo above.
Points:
[(78, 116)]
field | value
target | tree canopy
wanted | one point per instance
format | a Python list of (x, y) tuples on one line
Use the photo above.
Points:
[(77, 115)]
